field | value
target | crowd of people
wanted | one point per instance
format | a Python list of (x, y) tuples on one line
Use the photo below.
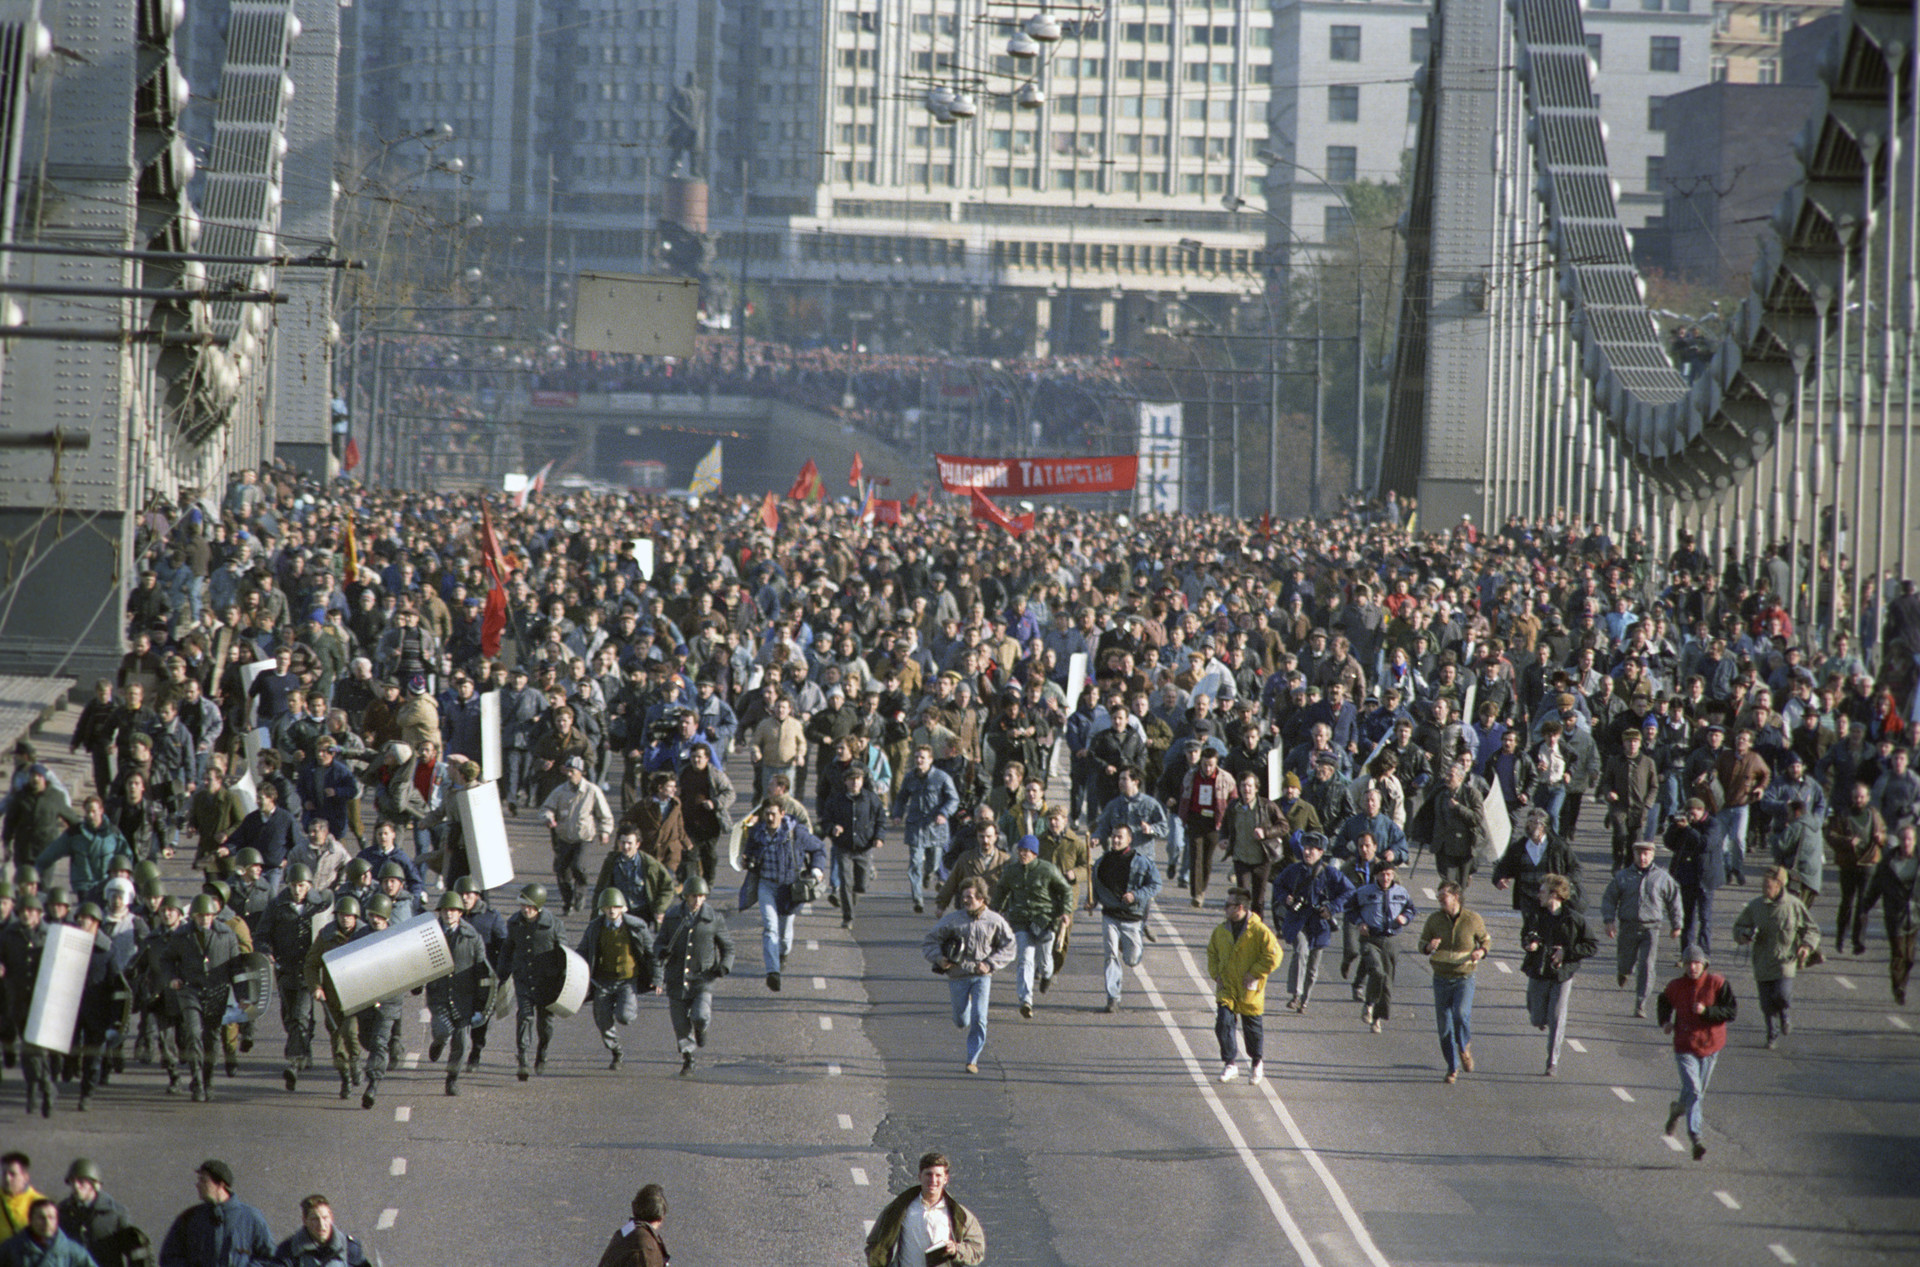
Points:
[(1079, 720)]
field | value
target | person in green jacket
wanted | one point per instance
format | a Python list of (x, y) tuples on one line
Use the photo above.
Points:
[(1784, 937), (1241, 955), (89, 846), (925, 1224), (1037, 900)]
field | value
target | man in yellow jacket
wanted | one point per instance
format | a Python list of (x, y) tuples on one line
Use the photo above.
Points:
[(1241, 955)]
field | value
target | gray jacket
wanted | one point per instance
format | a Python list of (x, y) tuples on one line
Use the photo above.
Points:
[(1647, 897), (973, 944)]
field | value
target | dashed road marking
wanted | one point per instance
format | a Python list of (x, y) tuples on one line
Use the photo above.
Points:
[(386, 1220), (1844, 984), (403, 1114), (1624, 1094), (1897, 1023), (859, 1177), (426, 1017), (812, 944), (1726, 1198), (1577, 1045), (399, 1166), (846, 1122), (833, 1071), (866, 1225), (411, 1061), (1431, 895), (1782, 1253), (819, 983), (826, 1022), (1502, 966), (1673, 1143)]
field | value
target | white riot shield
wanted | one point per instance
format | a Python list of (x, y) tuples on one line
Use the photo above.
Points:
[(387, 964), (563, 982), (253, 985), (1276, 777), (56, 991), (1076, 678), (1499, 826), (485, 831), (737, 843), (492, 766)]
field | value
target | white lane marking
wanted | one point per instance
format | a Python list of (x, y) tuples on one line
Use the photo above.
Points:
[(399, 1166), (1282, 1215), (1502, 966), (386, 1219), (826, 1022), (1673, 1143), (403, 1114), (866, 1225), (1726, 1198), (1782, 1253), (846, 1122), (812, 944), (1347, 1213), (1897, 1023), (1431, 895), (819, 983), (1624, 1094), (1844, 984), (833, 1071), (1577, 1045), (859, 1177), (412, 1060), (426, 1017)]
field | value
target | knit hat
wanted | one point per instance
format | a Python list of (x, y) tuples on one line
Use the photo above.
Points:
[(218, 1171), (1029, 843), (1695, 954)]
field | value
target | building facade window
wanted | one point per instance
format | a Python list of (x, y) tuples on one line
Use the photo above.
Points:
[(1663, 54), (1343, 43), (1343, 103)]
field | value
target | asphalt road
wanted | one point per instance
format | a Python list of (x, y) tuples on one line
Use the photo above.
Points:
[(1086, 1138)]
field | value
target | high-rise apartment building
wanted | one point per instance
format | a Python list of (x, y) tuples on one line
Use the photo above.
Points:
[(1746, 36)]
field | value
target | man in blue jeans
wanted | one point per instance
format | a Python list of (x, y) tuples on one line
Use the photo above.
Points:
[(926, 801), (1454, 941), (967, 946), (778, 852), (1124, 884)]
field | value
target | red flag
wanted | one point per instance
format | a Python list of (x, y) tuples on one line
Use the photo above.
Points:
[(770, 512), (493, 621), (984, 509), (350, 571), (1266, 524), (913, 502), (807, 487), (490, 551), (853, 476), (886, 511), (351, 458)]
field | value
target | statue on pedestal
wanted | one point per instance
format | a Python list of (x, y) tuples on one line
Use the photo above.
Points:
[(686, 130)]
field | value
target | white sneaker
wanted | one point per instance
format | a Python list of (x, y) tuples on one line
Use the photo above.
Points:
[(1229, 1072), (1259, 1072)]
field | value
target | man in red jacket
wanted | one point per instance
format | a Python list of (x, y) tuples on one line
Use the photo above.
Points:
[(1695, 1008)]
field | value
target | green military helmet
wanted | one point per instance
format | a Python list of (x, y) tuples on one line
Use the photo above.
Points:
[(59, 896), (393, 871), (358, 870), (32, 902), (696, 886), (450, 901), (206, 904), (380, 906), (121, 862), (534, 895), (218, 889), (84, 1168), (169, 903), (299, 873), (25, 874), (150, 888), (146, 871), (467, 884), (610, 899), (348, 905), (249, 857), (6, 890), (89, 910)]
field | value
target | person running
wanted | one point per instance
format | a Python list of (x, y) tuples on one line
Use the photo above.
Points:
[(1124, 883), (1037, 901), (1380, 910), (925, 1224), (1695, 1008), (1893, 887), (1640, 901), (1454, 940), (785, 863), (1241, 955), (1555, 938), (967, 946), (693, 951), (1784, 937), (1308, 898)]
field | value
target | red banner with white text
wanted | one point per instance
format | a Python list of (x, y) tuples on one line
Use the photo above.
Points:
[(1012, 477)]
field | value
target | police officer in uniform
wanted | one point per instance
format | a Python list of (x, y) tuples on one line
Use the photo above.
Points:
[(341, 1033), (618, 948), (24, 941), (286, 935), (693, 950), (198, 963), (492, 929), (379, 1024), (531, 935), (453, 1001)]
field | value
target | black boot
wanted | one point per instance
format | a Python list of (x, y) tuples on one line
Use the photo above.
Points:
[(346, 1086)]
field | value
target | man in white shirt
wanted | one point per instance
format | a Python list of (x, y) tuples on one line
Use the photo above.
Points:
[(925, 1226)]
